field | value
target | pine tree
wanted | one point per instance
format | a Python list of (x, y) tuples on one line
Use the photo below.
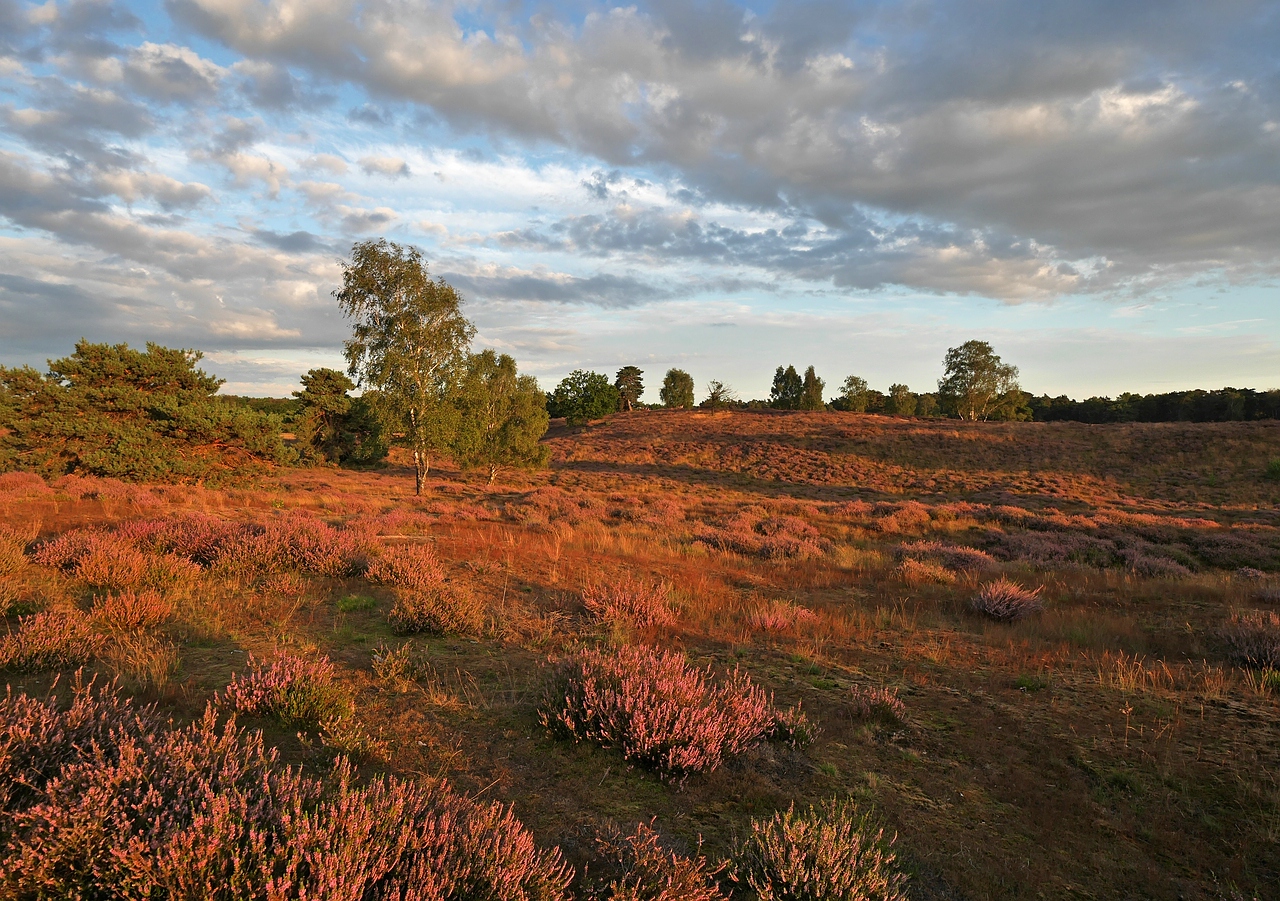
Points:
[(630, 385), (811, 391)]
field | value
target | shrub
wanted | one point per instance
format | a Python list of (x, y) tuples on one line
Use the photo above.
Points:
[(827, 853), (1272, 471), (436, 610), (14, 485), (657, 709), (296, 690), (919, 572), (880, 704), (1005, 600), (636, 867), (952, 556), (102, 801), (111, 561), (1253, 639), (48, 641), (780, 616), (628, 600), (412, 566), (755, 532), (128, 611)]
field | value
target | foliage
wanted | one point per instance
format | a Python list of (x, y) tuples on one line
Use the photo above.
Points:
[(636, 867), (408, 339), (110, 410), (657, 709), (49, 641), (787, 390), (853, 395), (1006, 600), (826, 853), (100, 800), (583, 396), (1220, 405), (1253, 639), (977, 384), (719, 396), (901, 401), (334, 427), (299, 691), (677, 390), (1272, 472), (630, 385), (501, 416), (811, 392)]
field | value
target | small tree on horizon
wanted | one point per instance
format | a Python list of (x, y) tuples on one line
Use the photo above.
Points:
[(502, 415), (677, 390), (854, 394), (811, 391), (977, 384), (787, 390), (582, 396), (900, 402), (408, 340), (630, 385), (719, 396)]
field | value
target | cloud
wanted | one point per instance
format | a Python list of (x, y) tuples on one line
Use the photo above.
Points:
[(167, 72), (390, 166)]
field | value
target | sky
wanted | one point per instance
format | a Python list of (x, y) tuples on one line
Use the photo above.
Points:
[(1092, 187)]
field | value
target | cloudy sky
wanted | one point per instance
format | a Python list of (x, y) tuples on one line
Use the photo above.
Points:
[(1094, 187)]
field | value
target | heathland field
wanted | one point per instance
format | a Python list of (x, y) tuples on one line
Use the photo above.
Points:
[(1043, 654)]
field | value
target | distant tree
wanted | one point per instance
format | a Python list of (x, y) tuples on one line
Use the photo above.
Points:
[(787, 389), (110, 410), (333, 426), (900, 402), (977, 384), (677, 390), (583, 396), (853, 395), (927, 404), (630, 385), (502, 415), (719, 396), (408, 341), (811, 391)]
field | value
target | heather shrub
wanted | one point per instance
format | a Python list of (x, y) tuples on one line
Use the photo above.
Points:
[(826, 853), (910, 516), (780, 615), (657, 709), (952, 556), (1253, 639), (411, 566), (878, 704), (636, 867), (128, 611), (107, 560), (755, 532), (628, 600), (52, 640), (1006, 600), (317, 547), (101, 802), (300, 691), (14, 485), (80, 487), (920, 572), (436, 610)]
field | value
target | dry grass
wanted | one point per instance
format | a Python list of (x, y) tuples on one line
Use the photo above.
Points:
[(1121, 743)]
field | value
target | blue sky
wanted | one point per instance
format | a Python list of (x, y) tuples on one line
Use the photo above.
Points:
[(1092, 187)]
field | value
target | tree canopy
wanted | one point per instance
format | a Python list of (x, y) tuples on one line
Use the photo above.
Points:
[(582, 396), (977, 384), (811, 391), (408, 341), (630, 385), (854, 394), (334, 427), (787, 389), (502, 415), (677, 390), (111, 410)]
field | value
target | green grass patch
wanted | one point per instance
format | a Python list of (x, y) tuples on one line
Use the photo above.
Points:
[(354, 602)]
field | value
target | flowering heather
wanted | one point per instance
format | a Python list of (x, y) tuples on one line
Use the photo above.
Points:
[(1253, 639), (826, 853), (100, 801), (628, 600), (549, 504), (780, 615), (635, 867), (411, 566), (657, 709), (650, 511), (952, 556), (1006, 600), (909, 516), (47, 641), (79, 487), (297, 690), (317, 547), (14, 485), (106, 560), (755, 532), (127, 611), (880, 704)]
